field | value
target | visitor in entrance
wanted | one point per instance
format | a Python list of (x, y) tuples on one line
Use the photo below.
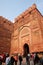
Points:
[(27, 59), (20, 59), (16, 59), (41, 60), (36, 59), (12, 60), (31, 60), (0, 60), (7, 60)]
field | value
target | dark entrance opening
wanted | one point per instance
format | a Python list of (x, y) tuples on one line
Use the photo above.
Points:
[(26, 49)]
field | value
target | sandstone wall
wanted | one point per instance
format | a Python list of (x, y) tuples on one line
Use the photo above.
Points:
[(6, 29)]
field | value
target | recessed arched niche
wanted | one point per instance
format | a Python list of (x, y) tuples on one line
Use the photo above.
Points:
[(24, 36)]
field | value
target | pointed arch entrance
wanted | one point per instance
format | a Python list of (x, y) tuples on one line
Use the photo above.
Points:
[(24, 39), (26, 49)]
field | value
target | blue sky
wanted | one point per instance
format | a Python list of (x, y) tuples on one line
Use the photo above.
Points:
[(10, 9)]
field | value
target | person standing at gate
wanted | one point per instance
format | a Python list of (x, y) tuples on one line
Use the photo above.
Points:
[(27, 59), (12, 60), (0, 60), (7, 59), (31, 60), (16, 59), (36, 59), (20, 59)]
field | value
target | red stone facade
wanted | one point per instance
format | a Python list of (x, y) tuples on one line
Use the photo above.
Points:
[(6, 29), (28, 28)]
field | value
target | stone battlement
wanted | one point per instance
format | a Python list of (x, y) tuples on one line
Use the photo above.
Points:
[(26, 12), (23, 18), (4, 20), (5, 23)]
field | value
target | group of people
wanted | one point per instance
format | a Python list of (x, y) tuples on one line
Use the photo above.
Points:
[(34, 59), (31, 59), (11, 59)]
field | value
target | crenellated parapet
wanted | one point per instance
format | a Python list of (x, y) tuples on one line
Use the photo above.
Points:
[(5, 23), (25, 13), (26, 16)]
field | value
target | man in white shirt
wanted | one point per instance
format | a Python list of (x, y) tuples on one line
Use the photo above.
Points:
[(7, 59)]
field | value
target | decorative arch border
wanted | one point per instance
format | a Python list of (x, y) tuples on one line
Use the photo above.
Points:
[(20, 29)]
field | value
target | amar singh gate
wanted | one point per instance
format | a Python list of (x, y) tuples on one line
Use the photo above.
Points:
[(27, 34)]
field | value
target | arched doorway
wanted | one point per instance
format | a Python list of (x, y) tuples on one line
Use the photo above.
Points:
[(26, 49)]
